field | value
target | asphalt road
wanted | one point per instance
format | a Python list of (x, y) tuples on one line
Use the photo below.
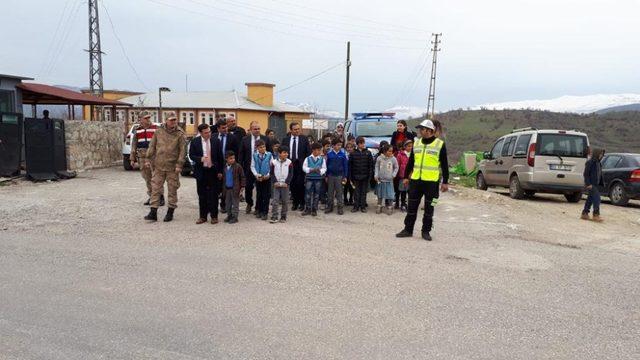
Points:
[(83, 277)]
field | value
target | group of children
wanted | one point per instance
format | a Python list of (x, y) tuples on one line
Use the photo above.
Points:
[(334, 176)]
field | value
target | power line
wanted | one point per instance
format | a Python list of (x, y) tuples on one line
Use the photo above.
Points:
[(124, 52), (66, 31), (321, 29), (290, 33), (49, 51), (407, 28), (324, 22), (298, 83), (415, 72)]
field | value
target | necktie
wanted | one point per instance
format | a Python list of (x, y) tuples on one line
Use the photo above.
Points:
[(207, 149), (223, 138), (295, 148)]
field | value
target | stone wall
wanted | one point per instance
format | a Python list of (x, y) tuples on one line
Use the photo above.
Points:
[(93, 144)]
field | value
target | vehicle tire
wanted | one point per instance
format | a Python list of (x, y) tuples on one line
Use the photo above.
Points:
[(481, 183), (617, 195), (529, 193), (573, 198), (515, 190), (126, 163)]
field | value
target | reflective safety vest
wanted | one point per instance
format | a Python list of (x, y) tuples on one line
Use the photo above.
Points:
[(426, 166)]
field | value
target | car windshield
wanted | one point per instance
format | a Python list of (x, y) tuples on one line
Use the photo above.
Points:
[(562, 145), (375, 128)]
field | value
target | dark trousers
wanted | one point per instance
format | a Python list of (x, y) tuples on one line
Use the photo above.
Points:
[(263, 194), (348, 193), (297, 184), (207, 187), (396, 188), (417, 189), (248, 189), (593, 198), (360, 195), (312, 193)]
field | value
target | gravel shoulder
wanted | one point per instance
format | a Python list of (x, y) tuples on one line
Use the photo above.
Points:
[(83, 277)]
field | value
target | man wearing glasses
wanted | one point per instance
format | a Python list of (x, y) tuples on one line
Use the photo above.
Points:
[(166, 154)]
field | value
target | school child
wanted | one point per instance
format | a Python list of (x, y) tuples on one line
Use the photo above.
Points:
[(326, 146), (281, 174), (315, 167), (275, 146), (261, 169), (360, 171), (337, 172), (385, 170), (348, 187), (402, 155), (234, 182)]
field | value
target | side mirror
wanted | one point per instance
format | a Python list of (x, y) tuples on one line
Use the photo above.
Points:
[(487, 155)]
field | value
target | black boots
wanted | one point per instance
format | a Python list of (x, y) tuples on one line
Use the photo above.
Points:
[(153, 215), (161, 200), (169, 215), (148, 202), (426, 235), (404, 234)]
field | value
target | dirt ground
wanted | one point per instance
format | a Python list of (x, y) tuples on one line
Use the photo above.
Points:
[(82, 276)]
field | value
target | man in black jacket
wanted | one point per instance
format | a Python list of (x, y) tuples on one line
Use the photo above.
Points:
[(425, 174), (299, 150), (234, 129), (360, 173), (592, 181), (228, 142), (205, 152), (247, 149)]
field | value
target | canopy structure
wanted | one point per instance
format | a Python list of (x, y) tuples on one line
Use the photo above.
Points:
[(40, 94)]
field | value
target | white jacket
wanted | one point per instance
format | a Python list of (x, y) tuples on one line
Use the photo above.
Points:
[(281, 170)]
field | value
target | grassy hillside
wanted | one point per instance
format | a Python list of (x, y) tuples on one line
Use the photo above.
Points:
[(478, 129)]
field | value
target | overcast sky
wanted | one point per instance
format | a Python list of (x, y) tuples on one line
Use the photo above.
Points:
[(491, 50)]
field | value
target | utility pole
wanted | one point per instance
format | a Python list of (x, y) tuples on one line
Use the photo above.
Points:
[(96, 85), (432, 83), (346, 102)]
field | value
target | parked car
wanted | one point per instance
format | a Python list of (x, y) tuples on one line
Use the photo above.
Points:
[(126, 147), (530, 160), (374, 127), (621, 173)]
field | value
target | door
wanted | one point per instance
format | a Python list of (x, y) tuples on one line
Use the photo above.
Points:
[(10, 143), (278, 124), (491, 166), (610, 170), (505, 161)]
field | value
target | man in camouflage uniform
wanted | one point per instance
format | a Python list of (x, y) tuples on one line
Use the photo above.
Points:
[(141, 138), (166, 154)]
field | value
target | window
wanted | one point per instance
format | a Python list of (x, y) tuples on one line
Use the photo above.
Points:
[(611, 162), (375, 128), (562, 145), (183, 116), (192, 118), (7, 102), (212, 119), (497, 148), (509, 144), (522, 145), (203, 118)]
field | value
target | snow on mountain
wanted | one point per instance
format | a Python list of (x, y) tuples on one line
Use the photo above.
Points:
[(406, 112), (570, 104), (319, 113)]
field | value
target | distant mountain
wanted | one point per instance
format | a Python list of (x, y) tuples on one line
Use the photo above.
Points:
[(407, 112), (568, 104), (621, 108)]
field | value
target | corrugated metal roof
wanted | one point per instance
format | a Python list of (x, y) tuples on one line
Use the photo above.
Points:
[(33, 93), (15, 77), (206, 100)]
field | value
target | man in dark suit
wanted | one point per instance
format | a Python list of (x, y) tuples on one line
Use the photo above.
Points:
[(205, 151), (228, 142), (247, 149), (299, 149)]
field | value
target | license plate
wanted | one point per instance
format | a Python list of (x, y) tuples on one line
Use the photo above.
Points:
[(560, 167)]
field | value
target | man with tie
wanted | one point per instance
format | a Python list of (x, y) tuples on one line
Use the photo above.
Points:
[(247, 149), (207, 170), (299, 150), (228, 142)]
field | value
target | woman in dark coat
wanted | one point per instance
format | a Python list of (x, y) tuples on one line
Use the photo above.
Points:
[(402, 134)]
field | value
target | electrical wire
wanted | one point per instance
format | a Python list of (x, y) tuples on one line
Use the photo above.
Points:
[(67, 27), (287, 33), (49, 51), (124, 52)]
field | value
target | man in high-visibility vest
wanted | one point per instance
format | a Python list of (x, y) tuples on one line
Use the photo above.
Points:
[(427, 166)]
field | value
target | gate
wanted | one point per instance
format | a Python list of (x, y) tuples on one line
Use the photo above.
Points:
[(10, 143), (278, 125)]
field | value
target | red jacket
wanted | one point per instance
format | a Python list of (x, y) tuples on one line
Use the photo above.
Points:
[(403, 160)]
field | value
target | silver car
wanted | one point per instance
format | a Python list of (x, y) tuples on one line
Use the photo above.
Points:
[(528, 161)]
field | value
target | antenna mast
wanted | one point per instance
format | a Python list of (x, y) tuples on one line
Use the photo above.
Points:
[(432, 83)]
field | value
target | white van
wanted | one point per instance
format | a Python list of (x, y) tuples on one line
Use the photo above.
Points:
[(530, 160)]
